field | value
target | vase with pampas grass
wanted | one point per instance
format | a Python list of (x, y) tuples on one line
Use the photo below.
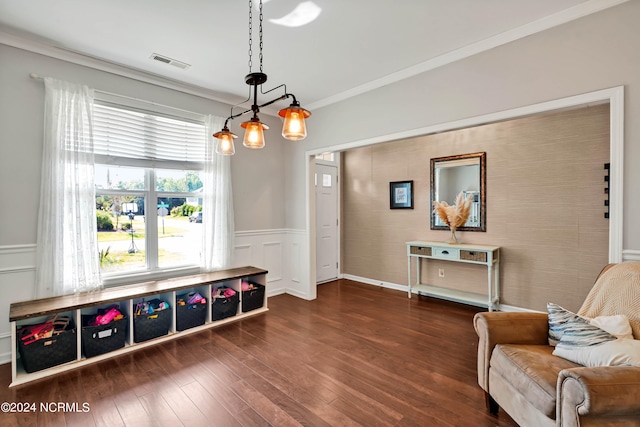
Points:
[(455, 215)]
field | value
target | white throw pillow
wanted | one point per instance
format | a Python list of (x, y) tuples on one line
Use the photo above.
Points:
[(617, 325), (620, 352)]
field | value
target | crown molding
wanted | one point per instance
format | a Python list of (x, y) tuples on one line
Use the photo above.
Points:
[(562, 17), (534, 27), (111, 67)]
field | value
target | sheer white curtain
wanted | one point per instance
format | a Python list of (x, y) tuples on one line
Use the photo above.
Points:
[(217, 209), (67, 254)]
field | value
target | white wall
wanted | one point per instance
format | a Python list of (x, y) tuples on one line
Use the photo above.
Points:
[(271, 194), (595, 52), (258, 177)]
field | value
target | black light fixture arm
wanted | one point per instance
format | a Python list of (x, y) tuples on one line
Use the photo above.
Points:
[(285, 96), (234, 116), (293, 127), (255, 80)]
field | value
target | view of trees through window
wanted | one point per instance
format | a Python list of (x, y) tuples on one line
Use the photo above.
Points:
[(148, 218)]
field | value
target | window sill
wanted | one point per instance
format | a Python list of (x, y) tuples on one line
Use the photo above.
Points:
[(148, 276)]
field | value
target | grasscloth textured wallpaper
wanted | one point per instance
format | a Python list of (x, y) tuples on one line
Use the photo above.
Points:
[(545, 207)]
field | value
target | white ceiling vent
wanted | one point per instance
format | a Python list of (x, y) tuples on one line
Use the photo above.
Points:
[(167, 60)]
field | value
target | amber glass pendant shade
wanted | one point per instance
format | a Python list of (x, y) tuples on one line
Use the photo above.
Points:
[(294, 127), (224, 144), (253, 134)]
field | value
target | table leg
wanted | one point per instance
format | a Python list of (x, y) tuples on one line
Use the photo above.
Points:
[(409, 274), (490, 285), (497, 281)]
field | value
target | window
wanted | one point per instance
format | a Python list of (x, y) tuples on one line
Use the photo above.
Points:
[(148, 180), (330, 157)]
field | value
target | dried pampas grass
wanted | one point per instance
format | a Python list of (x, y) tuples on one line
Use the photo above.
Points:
[(454, 215)]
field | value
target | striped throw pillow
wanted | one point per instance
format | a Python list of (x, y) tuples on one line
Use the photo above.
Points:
[(567, 329), (559, 318)]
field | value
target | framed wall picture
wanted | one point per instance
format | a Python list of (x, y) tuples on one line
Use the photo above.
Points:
[(401, 195)]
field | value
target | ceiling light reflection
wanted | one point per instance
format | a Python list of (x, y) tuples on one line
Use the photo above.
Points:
[(303, 14)]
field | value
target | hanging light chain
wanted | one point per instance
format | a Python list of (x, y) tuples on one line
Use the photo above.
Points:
[(293, 127), (260, 35), (251, 34)]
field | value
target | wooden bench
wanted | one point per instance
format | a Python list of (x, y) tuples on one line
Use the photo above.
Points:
[(75, 305)]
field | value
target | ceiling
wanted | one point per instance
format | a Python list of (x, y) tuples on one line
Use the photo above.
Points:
[(351, 47)]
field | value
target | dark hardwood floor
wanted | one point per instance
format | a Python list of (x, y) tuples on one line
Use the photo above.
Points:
[(358, 355)]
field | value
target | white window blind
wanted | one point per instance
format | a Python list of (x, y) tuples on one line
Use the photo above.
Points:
[(134, 137)]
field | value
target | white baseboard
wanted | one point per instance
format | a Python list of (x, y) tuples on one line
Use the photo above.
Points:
[(299, 294), (397, 287), (277, 291), (513, 308), (5, 358), (374, 282)]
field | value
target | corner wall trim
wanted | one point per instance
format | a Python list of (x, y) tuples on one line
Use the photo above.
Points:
[(492, 42), (630, 255), (110, 67)]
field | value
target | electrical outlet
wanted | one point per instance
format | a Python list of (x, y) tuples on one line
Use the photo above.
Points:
[(441, 272)]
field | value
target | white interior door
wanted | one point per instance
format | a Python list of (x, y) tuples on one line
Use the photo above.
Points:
[(326, 223)]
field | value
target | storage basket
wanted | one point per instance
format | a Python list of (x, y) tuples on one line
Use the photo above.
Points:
[(102, 339), (189, 315), (253, 299), (473, 256), (420, 250), (221, 308), (61, 347), (150, 326)]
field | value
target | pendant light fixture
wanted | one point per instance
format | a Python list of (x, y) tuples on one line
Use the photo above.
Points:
[(293, 128)]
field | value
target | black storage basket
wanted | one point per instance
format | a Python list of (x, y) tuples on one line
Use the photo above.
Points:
[(253, 299), (102, 339), (48, 352), (221, 308), (149, 326), (189, 315)]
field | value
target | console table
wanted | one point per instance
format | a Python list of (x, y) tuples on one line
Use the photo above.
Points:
[(473, 254)]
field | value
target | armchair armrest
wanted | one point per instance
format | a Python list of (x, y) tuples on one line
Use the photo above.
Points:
[(506, 328), (606, 393)]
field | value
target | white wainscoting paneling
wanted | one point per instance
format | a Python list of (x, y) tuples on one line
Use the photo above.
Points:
[(277, 251), (295, 262), (17, 283), (298, 264), (630, 255), (15, 258), (242, 255), (273, 257), (262, 249)]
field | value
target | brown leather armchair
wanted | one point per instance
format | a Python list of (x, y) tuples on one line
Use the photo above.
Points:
[(519, 373)]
